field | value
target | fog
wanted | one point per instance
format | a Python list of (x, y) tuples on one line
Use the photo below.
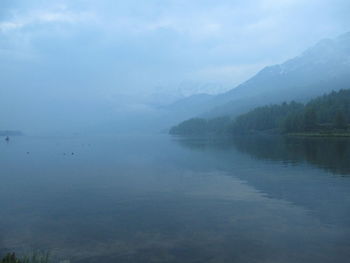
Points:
[(79, 65)]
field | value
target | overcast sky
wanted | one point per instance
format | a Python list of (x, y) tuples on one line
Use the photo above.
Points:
[(86, 52)]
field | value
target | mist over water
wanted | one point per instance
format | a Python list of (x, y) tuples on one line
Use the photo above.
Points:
[(173, 199)]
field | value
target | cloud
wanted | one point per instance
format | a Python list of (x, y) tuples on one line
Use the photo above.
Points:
[(39, 17)]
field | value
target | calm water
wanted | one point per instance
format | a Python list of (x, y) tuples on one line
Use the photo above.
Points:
[(166, 199)]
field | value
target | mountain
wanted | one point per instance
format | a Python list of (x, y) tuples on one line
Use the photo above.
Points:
[(320, 69)]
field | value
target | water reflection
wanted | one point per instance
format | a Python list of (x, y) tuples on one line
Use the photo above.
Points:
[(311, 173), (330, 154), (150, 199)]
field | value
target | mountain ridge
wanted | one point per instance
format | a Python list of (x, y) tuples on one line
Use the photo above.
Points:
[(319, 69)]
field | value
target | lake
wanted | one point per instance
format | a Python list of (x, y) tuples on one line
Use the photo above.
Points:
[(169, 199)]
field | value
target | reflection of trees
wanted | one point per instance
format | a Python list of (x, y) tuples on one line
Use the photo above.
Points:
[(201, 143), (331, 154), (324, 196)]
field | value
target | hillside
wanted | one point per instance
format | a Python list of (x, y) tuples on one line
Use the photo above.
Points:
[(327, 114)]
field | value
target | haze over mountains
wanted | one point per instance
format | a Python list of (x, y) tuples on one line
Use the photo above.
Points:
[(320, 69)]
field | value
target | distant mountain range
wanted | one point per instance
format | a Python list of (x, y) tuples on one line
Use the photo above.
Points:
[(320, 69)]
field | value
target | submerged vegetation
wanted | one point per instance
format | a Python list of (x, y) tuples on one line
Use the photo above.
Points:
[(327, 115)]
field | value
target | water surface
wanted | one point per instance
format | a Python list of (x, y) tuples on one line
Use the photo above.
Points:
[(168, 199)]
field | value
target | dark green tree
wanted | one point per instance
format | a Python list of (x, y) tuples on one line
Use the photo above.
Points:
[(340, 121), (310, 119)]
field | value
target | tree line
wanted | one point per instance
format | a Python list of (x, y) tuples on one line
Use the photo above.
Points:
[(327, 113)]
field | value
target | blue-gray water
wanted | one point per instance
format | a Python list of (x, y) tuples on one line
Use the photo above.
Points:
[(166, 199)]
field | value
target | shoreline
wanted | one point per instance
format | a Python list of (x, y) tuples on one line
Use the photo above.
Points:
[(321, 134)]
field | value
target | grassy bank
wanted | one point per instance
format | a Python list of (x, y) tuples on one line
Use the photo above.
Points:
[(33, 258)]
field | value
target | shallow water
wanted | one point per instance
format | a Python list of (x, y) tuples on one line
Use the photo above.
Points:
[(168, 199)]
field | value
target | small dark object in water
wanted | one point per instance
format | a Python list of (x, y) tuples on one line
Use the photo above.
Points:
[(27, 152), (72, 153), (7, 139)]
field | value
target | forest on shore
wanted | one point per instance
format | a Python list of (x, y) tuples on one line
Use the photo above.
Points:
[(327, 114)]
